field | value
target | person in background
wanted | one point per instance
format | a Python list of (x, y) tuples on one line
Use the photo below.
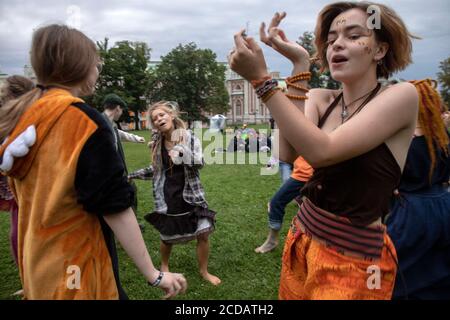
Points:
[(419, 222), (12, 88), (113, 109), (287, 192)]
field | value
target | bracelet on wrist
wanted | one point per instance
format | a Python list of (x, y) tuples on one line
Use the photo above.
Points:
[(258, 83), (267, 86), (269, 94), (157, 281), (299, 77), (296, 97), (296, 86)]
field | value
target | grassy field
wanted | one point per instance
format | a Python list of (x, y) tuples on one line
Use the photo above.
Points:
[(239, 194)]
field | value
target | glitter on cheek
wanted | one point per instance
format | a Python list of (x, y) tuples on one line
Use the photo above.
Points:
[(368, 50), (361, 43)]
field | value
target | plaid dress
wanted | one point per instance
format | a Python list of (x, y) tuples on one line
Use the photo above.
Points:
[(179, 227)]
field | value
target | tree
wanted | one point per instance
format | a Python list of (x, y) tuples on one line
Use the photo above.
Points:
[(318, 79), (444, 80), (194, 79), (125, 73)]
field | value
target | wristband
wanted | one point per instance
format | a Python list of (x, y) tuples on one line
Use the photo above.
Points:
[(157, 281), (257, 83)]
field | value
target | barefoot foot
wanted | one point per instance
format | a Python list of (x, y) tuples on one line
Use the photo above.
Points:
[(209, 277), (267, 246)]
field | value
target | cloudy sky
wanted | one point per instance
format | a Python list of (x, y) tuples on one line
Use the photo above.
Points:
[(208, 23)]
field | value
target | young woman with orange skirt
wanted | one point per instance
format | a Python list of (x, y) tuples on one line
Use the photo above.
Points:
[(356, 139)]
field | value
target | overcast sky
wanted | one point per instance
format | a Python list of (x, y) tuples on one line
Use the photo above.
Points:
[(208, 23)]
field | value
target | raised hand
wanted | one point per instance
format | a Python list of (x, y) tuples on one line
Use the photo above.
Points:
[(247, 58), (276, 38)]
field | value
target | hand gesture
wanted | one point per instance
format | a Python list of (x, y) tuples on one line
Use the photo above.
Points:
[(247, 58), (172, 284), (276, 38), (141, 140), (176, 155)]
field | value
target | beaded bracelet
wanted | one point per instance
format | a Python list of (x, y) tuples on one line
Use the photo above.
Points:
[(296, 97), (258, 83), (267, 86), (157, 281), (269, 94), (299, 77), (296, 86)]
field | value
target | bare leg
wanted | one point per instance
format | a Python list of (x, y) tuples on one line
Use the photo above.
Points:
[(270, 243), (202, 256), (165, 249)]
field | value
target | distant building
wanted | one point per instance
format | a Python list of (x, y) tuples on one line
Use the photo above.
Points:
[(244, 105)]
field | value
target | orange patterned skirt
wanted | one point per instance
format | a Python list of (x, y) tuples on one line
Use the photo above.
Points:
[(325, 257)]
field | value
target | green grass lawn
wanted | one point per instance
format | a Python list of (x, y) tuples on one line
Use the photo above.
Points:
[(239, 194)]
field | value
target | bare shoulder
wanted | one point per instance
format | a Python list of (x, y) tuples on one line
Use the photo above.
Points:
[(322, 98), (404, 90), (323, 94), (402, 97)]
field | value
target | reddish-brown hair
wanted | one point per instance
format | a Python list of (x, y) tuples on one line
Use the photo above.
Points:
[(430, 120), (393, 31)]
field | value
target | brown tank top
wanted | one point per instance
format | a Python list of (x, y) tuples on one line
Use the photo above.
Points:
[(360, 188)]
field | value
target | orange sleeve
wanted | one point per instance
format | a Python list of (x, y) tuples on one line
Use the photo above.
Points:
[(302, 170)]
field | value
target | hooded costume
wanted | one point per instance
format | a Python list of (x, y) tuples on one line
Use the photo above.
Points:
[(65, 174)]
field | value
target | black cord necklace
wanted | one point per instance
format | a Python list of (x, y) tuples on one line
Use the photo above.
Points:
[(345, 114)]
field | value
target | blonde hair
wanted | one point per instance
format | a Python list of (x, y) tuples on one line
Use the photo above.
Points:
[(393, 31), (61, 57), (179, 126)]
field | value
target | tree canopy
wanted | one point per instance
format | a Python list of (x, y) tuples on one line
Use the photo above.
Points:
[(318, 79), (444, 80), (125, 73), (192, 77)]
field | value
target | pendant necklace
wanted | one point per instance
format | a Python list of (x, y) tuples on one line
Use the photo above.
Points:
[(344, 112)]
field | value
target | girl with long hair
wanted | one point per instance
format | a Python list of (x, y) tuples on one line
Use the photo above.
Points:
[(181, 212)]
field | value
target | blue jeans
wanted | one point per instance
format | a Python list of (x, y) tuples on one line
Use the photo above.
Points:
[(285, 171), (287, 192)]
